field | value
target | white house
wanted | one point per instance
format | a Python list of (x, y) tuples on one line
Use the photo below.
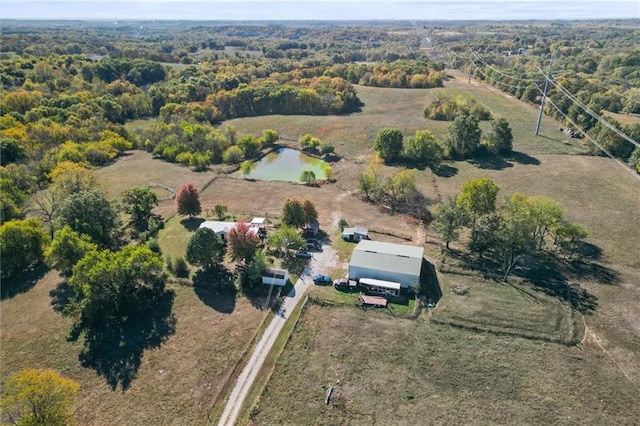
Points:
[(277, 277), (222, 229), (356, 234), (395, 263)]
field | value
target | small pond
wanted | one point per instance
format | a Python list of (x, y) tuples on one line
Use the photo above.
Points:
[(285, 164)]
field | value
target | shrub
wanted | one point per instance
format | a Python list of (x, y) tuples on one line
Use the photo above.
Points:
[(180, 269)]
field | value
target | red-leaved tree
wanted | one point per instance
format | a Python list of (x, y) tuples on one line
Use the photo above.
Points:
[(188, 200), (243, 243)]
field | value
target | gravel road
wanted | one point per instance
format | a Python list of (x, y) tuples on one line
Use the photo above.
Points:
[(320, 263)]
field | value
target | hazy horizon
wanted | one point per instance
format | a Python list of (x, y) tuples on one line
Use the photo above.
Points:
[(261, 10)]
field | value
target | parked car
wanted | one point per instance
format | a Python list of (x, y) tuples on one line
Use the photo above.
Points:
[(321, 279), (345, 284), (312, 246), (303, 253), (314, 241)]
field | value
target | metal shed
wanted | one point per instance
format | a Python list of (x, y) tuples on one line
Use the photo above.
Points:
[(386, 261)]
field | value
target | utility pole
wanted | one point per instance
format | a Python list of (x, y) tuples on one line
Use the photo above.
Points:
[(544, 97)]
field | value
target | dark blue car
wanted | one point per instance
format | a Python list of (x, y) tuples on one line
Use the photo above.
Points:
[(322, 279)]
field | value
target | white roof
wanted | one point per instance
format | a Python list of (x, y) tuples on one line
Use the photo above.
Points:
[(355, 230), (380, 283), (217, 226), (258, 221), (395, 258)]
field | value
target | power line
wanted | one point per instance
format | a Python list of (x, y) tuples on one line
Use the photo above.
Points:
[(496, 70), (593, 114), (592, 140)]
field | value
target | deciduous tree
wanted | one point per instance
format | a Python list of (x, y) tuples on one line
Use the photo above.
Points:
[(478, 197), (308, 177), (67, 248), (284, 239), (138, 202), (388, 144), (463, 136), (246, 168), (310, 212), (448, 220), (188, 200), (39, 397), (501, 137), (293, 213), (205, 249), (21, 245), (424, 148), (112, 286), (90, 213), (243, 243)]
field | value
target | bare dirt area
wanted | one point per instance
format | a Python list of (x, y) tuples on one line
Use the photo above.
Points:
[(386, 370)]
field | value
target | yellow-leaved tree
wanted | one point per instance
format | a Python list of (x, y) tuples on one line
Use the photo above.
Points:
[(39, 397)]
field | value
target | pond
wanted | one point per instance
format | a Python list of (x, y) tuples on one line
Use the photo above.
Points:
[(285, 164)]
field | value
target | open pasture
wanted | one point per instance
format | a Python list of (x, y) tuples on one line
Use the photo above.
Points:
[(175, 384), (387, 370)]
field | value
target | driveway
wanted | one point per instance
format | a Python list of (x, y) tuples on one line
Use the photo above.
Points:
[(320, 263)]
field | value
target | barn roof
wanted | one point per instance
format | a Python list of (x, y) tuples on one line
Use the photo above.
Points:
[(396, 258)]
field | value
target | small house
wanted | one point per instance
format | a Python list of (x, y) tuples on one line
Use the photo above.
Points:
[(311, 230), (278, 277), (221, 229), (356, 234)]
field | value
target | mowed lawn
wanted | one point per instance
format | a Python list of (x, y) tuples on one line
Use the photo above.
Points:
[(176, 384), (394, 371)]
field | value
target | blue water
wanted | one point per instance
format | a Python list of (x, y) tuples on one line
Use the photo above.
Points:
[(320, 10)]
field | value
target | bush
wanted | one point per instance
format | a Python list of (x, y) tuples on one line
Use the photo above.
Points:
[(154, 246), (180, 269)]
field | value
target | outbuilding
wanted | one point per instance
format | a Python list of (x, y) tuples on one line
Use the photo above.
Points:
[(356, 234), (396, 263), (277, 277), (311, 230)]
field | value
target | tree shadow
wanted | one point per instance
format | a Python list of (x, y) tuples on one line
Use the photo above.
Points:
[(522, 158), (444, 170), (22, 282), (490, 162), (191, 223), (114, 347), (296, 265), (61, 295), (216, 288), (553, 276), (589, 251)]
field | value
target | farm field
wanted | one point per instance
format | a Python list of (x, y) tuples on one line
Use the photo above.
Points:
[(432, 372), (394, 371)]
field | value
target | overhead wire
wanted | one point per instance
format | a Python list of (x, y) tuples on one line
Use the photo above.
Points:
[(592, 140), (592, 113)]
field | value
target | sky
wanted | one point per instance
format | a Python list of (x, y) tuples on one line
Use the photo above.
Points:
[(319, 9)]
